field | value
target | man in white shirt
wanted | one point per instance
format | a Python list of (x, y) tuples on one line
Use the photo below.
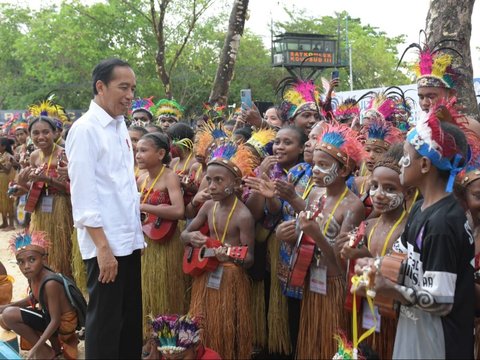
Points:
[(107, 216)]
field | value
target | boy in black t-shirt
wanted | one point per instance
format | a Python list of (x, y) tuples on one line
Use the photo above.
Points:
[(436, 316)]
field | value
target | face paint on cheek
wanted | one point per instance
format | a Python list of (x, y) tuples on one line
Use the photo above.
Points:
[(395, 200), (330, 174)]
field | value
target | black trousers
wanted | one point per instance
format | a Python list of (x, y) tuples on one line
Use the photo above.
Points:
[(113, 328)]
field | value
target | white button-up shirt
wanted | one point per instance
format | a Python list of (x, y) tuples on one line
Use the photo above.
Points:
[(102, 182)]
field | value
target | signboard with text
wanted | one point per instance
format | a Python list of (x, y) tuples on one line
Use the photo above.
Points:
[(317, 58)]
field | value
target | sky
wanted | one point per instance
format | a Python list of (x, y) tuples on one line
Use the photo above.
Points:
[(404, 17)]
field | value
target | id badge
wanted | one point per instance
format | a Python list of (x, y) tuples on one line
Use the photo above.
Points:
[(367, 316), (318, 279), (47, 204), (215, 278)]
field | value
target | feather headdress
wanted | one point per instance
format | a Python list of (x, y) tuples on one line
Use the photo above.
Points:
[(434, 67), (381, 133), (298, 96), (236, 157), (145, 104), (209, 136), (342, 143), (347, 111), (175, 334), (36, 241), (49, 108), (168, 108), (213, 112), (262, 141), (429, 140)]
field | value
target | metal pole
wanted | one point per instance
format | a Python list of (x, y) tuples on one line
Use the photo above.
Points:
[(350, 61)]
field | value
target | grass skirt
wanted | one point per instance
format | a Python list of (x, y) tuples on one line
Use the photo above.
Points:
[(278, 330), (225, 312), (58, 225), (259, 319), (321, 318), (78, 266), (6, 203), (164, 285)]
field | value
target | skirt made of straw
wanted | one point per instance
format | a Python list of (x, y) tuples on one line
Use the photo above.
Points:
[(6, 203), (78, 266), (259, 319), (58, 224), (225, 312), (164, 285), (278, 331), (322, 316)]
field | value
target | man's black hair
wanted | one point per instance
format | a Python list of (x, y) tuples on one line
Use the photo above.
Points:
[(104, 71)]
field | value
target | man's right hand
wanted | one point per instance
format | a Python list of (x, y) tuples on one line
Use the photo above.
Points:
[(108, 266)]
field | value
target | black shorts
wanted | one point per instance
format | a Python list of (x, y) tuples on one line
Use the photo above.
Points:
[(34, 319)]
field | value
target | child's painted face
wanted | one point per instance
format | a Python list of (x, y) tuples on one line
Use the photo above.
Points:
[(42, 134), (221, 182), (385, 189), (409, 169), (374, 152), (473, 198), (134, 137), (30, 263), (148, 155), (286, 147), (325, 170)]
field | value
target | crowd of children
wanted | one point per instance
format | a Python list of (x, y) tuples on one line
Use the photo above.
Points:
[(276, 236)]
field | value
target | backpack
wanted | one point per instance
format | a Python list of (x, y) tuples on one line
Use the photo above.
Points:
[(74, 296)]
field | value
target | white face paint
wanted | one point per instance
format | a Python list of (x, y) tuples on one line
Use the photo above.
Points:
[(331, 173), (395, 199), (404, 162)]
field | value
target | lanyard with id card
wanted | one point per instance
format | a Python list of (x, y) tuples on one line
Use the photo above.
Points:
[(46, 205), (215, 278), (318, 279), (367, 317)]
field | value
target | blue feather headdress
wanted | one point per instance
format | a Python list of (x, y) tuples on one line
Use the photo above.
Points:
[(236, 157)]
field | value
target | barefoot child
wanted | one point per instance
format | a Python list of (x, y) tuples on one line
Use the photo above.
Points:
[(57, 321), (225, 303)]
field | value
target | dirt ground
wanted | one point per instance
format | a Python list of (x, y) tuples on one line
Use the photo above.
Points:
[(20, 286)]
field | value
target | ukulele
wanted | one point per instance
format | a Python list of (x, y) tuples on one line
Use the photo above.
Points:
[(355, 238), (302, 256), (392, 267), (35, 192), (157, 229), (198, 260)]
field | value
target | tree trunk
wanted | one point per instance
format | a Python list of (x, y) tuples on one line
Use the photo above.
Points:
[(226, 65), (453, 19)]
